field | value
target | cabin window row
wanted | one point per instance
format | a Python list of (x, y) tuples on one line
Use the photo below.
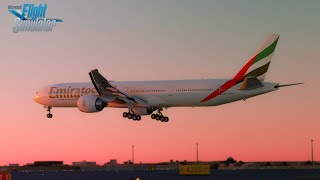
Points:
[(148, 90), (184, 90)]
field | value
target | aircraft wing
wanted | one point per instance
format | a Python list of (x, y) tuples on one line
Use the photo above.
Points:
[(106, 89)]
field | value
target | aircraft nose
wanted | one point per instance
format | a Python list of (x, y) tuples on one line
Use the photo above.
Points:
[(36, 97)]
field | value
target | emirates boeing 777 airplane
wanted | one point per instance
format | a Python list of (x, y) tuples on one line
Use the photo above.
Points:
[(152, 97)]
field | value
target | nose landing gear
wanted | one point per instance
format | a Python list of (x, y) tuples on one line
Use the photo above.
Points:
[(49, 115)]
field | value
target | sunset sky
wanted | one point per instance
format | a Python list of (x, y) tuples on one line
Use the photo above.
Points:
[(162, 40)]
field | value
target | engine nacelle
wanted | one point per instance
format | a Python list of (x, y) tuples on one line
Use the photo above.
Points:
[(90, 104), (143, 111)]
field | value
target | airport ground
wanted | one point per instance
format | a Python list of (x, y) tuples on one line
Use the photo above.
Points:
[(169, 170), (240, 174)]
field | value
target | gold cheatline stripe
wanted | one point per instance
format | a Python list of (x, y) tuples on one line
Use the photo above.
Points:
[(259, 71)]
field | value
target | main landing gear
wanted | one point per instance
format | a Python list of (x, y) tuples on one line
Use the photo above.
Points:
[(131, 115), (159, 117), (49, 115)]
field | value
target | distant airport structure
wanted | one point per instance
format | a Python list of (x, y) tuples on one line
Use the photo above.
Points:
[(85, 163), (113, 165)]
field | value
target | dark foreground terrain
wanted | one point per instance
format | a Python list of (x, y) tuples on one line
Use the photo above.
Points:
[(249, 174)]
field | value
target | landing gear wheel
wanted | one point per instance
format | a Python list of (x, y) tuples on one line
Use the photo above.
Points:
[(153, 116), (157, 117), (166, 119), (162, 119), (129, 116), (49, 115), (125, 114), (138, 117), (134, 117)]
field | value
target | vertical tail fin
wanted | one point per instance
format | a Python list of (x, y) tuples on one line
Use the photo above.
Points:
[(257, 66), (259, 63)]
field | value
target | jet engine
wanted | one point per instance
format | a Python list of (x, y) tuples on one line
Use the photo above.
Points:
[(90, 104)]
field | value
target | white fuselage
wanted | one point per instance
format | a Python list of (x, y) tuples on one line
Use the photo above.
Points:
[(171, 93)]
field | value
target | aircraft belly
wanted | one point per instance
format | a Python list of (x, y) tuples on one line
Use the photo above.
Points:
[(63, 102), (168, 100)]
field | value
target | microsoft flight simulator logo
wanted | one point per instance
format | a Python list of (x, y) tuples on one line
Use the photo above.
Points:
[(32, 18)]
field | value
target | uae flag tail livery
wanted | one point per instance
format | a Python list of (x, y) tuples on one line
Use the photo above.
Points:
[(257, 66)]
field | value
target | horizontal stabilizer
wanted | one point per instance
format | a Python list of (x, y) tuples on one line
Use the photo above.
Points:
[(250, 83), (284, 85)]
